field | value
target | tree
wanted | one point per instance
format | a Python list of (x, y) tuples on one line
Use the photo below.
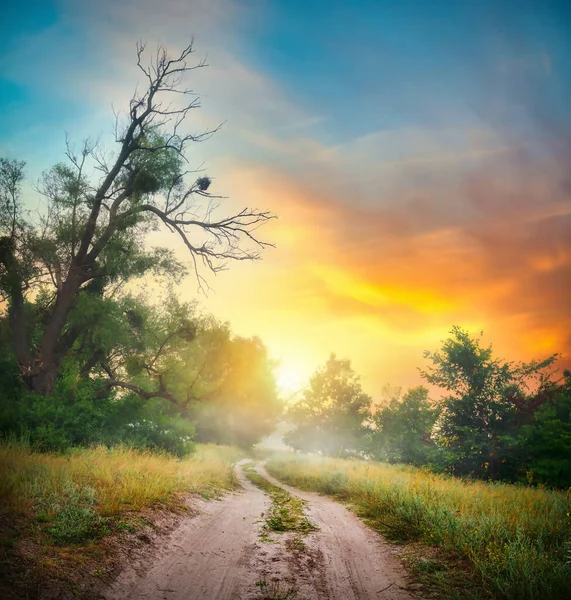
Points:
[(94, 226), (488, 400), (331, 415), (401, 429), (544, 445), (243, 404), (155, 376), (224, 383)]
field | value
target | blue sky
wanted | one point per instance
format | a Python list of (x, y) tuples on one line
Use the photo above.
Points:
[(360, 66), (417, 153), (381, 64)]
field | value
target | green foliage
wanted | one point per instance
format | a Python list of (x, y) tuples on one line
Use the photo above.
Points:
[(544, 446), (487, 399), (158, 428), (499, 420), (183, 376), (72, 516), (73, 416), (401, 429), (286, 513), (330, 418)]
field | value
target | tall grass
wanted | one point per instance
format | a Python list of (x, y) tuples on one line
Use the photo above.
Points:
[(515, 538), (108, 481)]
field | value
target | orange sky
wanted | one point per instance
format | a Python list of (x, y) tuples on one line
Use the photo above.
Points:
[(379, 272)]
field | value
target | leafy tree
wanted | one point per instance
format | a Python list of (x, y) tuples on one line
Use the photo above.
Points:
[(223, 383), (401, 429), (544, 449), (331, 416), (487, 399), (99, 209)]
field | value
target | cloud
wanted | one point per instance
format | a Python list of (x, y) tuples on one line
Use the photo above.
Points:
[(384, 241), (480, 239)]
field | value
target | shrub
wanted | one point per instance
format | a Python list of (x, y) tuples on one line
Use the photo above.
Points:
[(73, 516), (74, 416)]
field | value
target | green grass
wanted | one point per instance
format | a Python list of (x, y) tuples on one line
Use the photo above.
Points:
[(511, 541), (286, 512)]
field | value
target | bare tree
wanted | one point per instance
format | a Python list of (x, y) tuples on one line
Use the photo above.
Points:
[(141, 187)]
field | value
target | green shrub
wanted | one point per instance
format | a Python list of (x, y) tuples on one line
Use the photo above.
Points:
[(74, 416), (72, 515)]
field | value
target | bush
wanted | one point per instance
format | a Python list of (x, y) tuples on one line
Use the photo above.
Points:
[(73, 517), (73, 416)]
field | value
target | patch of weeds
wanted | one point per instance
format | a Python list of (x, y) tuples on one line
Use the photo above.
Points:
[(72, 516), (442, 575), (125, 526), (286, 512), (43, 517), (264, 535), (429, 565), (273, 590), (296, 544), (335, 482)]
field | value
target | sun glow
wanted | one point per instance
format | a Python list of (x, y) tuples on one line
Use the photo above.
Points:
[(289, 380)]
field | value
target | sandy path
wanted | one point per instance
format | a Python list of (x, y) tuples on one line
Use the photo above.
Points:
[(218, 555)]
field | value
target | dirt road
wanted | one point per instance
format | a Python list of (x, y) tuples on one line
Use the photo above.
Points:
[(219, 555)]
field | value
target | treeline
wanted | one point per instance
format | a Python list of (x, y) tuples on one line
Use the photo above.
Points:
[(84, 359), (495, 420)]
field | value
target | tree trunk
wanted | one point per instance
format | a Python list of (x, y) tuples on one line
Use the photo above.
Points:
[(18, 328), (47, 362), (44, 378)]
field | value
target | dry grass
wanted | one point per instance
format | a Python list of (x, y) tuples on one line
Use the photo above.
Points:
[(515, 539), (117, 480)]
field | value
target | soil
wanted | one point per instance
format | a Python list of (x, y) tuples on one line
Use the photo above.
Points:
[(224, 554)]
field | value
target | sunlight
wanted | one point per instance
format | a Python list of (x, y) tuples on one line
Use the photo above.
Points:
[(289, 380)]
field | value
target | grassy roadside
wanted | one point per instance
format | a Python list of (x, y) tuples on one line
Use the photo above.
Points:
[(470, 539), (63, 515)]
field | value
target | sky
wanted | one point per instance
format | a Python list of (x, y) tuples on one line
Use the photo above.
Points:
[(416, 154)]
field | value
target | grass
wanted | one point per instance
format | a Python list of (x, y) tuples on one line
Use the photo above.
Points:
[(286, 512), (54, 508), (109, 482), (512, 542)]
